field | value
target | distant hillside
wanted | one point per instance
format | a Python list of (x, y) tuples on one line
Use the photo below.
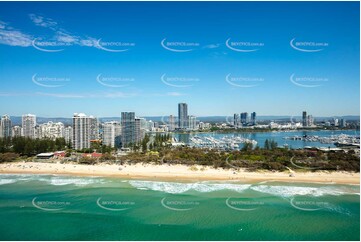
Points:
[(16, 120)]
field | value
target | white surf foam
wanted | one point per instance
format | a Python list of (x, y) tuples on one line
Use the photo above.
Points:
[(176, 187), (61, 181), (12, 178), (289, 191), (7, 181), (53, 180)]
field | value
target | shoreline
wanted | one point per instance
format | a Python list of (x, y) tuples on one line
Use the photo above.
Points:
[(177, 173)]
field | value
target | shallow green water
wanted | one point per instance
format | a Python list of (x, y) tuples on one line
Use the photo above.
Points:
[(73, 208)]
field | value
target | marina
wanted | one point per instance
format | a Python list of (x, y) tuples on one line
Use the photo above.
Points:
[(224, 143), (337, 140), (290, 139)]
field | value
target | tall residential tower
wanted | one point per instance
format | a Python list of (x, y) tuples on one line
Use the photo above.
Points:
[(81, 131), (182, 116), (28, 124), (304, 119), (253, 118), (111, 134), (5, 127), (128, 128)]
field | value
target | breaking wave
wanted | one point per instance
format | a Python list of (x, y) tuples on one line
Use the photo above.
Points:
[(176, 187), (52, 180), (290, 191), (276, 190)]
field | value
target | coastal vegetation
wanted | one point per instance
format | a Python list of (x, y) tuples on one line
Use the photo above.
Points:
[(29, 147), (269, 158), (158, 149)]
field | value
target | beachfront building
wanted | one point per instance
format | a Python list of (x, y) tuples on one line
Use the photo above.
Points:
[(94, 128), (128, 128), (111, 134), (81, 131), (5, 127), (51, 130), (68, 134), (28, 124), (16, 131), (139, 131), (182, 116)]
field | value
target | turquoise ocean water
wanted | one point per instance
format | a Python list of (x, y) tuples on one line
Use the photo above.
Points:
[(42, 207)]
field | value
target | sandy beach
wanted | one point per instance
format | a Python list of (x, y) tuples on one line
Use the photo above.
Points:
[(177, 172)]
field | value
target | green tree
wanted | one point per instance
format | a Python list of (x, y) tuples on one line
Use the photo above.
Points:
[(266, 145), (273, 145), (247, 147)]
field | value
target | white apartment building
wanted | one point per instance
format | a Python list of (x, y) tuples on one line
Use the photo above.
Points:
[(68, 134), (111, 133), (81, 131), (51, 130), (5, 127), (17, 131), (192, 122), (28, 125)]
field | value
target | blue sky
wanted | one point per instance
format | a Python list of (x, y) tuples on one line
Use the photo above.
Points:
[(220, 58)]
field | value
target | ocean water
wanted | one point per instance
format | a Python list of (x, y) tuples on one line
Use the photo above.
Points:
[(43, 207)]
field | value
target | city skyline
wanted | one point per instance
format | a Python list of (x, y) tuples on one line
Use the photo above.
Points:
[(183, 118), (251, 59), (131, 130), (297, 114)]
